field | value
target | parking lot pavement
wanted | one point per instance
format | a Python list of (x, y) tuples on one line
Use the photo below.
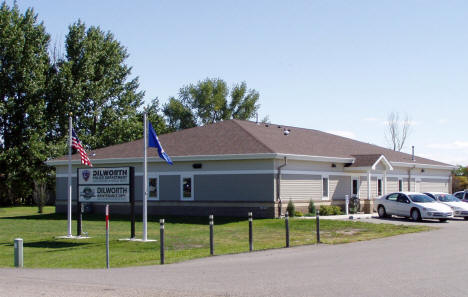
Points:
[(432, 263)]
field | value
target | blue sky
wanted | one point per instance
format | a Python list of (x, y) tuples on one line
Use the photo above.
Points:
[(335, 66)]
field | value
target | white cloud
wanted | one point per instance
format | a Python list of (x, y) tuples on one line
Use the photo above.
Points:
[(442, 121), (347, 134)]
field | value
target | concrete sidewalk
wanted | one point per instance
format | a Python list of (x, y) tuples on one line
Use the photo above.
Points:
[(357, 216)]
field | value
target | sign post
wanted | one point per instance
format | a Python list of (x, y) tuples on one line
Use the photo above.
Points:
[(107, 236)]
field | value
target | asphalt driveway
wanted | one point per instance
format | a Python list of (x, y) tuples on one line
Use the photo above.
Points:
[(431, 263)]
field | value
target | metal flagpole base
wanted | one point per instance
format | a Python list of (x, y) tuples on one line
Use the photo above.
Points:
[(72, 237), (137, 239)]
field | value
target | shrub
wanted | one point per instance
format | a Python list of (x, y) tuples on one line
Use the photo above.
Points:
[(311, 207), (298, 214), (329, 210), (291, 208)]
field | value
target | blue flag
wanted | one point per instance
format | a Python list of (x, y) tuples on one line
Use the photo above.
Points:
[(153, 141)]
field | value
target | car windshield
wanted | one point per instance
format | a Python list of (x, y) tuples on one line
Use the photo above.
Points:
[(447, 198), (421, 198)]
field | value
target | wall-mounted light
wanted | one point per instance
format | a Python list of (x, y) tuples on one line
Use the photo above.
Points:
[(422, 170), (197, 166), (333, 165)]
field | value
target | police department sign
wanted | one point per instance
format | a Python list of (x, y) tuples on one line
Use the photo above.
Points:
[(105, 193), (104, 184), (100, 176)]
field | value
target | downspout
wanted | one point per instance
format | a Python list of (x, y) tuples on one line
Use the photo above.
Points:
[(409, 170), (409, 179), (278, 186)]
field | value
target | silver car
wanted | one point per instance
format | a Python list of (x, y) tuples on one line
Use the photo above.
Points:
[(412, 205)]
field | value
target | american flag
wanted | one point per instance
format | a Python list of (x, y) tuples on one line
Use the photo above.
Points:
[(76, 144)]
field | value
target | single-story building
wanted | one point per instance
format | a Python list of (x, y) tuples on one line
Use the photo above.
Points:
[(232, 167)]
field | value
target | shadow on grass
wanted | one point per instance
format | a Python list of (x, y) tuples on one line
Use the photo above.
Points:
[(98, 217), (54, 244)]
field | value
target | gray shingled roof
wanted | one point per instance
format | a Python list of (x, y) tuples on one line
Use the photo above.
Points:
[(246, 137)]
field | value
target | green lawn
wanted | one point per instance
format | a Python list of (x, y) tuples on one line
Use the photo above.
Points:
[(186, 238)]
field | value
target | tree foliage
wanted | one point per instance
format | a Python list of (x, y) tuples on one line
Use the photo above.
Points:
[(24, 68), (460, 179), (207, 102), (93, 82)]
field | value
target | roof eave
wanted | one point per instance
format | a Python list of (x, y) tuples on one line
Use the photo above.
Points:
[(420, 165), (259, 156)]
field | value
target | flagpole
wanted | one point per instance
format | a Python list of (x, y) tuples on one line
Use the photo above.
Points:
[(69, 212), (145, 179)]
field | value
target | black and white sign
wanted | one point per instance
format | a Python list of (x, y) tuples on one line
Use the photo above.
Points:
[(101, 176), (104, 184), (105, 193)]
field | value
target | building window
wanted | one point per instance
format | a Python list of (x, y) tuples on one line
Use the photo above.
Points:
[(379, 187), (153, 188), (400, 185), (325, 187), (355, 187), (187, 187)]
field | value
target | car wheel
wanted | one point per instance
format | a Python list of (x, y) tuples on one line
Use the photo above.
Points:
[(415, 215), (381, 211), (442, 220)]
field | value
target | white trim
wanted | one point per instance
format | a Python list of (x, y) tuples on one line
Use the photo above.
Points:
[(381, 186), (385, 180), (315, 158), (156, 176), (328, 187), (353, 178), (271, 171), (369, 188), (191, 198), (246, 157), (209, 158), (418, 165), (385, 161)]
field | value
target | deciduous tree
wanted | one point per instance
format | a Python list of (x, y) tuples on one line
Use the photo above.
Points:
[(93, 81), (397, 130), (24, 69), (208, 102)]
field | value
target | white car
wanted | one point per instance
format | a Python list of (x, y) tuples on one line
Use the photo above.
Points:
[(412, 205), (460, 208)]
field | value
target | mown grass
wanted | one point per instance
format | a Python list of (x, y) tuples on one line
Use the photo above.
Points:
[(185, 238)]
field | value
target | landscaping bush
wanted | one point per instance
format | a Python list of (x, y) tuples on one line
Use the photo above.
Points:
[(291, 208), (298, 214), (329, 210), (311, 207)]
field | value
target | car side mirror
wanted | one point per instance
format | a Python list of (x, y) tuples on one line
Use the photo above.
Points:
[(407, 202)]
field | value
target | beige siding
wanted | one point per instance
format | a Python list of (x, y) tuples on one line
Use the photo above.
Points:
[(392, 184), (363, 187), (434, 185), (301, 187), (405, 184), (339, 187)]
